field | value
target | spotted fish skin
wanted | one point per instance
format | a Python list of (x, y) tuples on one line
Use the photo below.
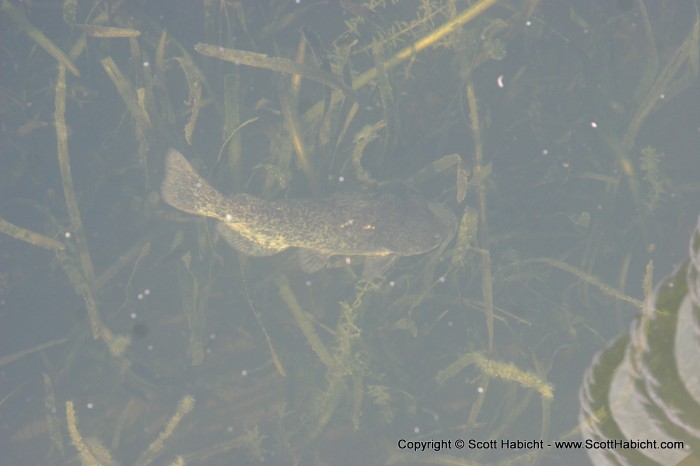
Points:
[(344, 224)]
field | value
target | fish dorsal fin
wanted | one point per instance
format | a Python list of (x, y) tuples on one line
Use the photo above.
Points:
[(312, 261), (244, 245)]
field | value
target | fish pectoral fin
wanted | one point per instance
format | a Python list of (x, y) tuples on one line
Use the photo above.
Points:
[(312, 261), (244, 245), (376, 266)]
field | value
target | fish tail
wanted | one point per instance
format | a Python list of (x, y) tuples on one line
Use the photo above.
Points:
[(184, 189)]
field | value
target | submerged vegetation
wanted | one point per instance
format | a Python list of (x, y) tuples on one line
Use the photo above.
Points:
[(543, 129)]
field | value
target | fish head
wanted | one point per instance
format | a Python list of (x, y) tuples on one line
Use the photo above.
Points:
[(425, 226)]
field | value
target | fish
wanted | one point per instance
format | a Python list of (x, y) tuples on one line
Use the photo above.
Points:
[(378, 226)]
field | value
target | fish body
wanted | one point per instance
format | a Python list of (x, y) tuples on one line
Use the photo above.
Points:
[(355, 224)]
